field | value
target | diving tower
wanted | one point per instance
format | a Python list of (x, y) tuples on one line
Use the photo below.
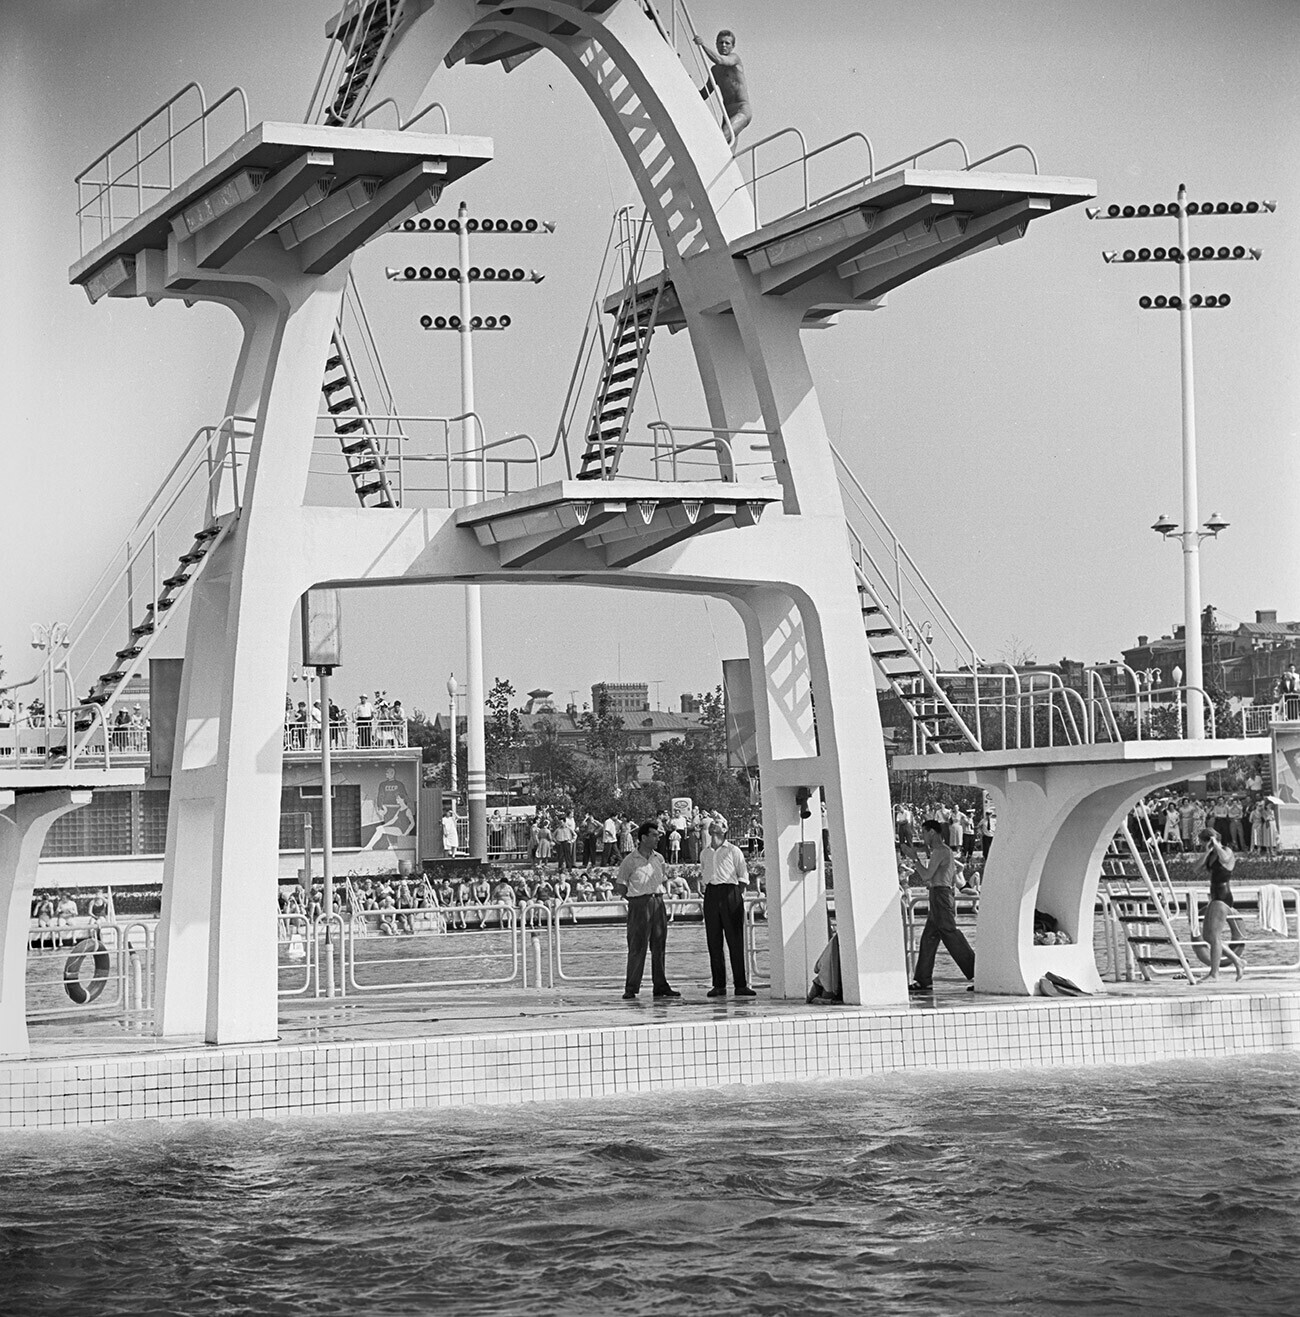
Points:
[(267, 228)]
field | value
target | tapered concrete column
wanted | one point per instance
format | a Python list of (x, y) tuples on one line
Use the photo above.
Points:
[(796, 654), (23, 826)]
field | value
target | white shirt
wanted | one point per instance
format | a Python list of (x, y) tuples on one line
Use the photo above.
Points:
[(450, 837), (643, 877), (724, 864)]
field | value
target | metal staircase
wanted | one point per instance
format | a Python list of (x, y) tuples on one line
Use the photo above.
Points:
[(136, 594), (359, 439), (362, 35), (626, 351), (916, 645), (1144, 905)]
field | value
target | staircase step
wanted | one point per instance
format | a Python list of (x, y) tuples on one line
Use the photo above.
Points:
[(329, 387), (130, 652), (348, 404), (175, 582), (1159, 960), (143, 629), (359, 446), (364, 491), (111, 678), (349, 427), (194, 555), (333, 363), (620, 375), (208, 533), (890, 653), (360, 468)]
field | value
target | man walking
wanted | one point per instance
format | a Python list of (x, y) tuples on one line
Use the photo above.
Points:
[(641, 878), (722, 868), (941, 923)]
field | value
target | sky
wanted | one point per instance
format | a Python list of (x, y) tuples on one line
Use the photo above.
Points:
[(1023, 387)]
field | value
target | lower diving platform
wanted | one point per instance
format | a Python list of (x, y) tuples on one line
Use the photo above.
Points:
[(610, 523)]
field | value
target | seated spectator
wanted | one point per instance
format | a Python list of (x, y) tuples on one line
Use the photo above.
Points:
[(604, 886), (585, 889), (99, 909)]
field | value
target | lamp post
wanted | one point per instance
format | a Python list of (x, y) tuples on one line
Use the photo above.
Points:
[(466, 325), (1177, 675), (1185, 303), (453, 689), (49, 639)]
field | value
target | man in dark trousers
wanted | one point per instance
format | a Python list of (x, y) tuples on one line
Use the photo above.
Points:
[(941, 923), (641, 878), (725, 877)]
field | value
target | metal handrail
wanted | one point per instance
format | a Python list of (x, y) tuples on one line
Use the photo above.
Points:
[(925, 150), (414, 119), (110, 182), (1006, 150), (753, 164), (721, 437)]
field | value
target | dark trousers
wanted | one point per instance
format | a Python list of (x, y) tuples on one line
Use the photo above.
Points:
[(724, 917), (565, 860), (647, 925), (941, 926)]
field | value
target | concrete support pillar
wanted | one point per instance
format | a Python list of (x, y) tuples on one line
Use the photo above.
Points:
[(1056, 819), (23, 826), (799, 655)]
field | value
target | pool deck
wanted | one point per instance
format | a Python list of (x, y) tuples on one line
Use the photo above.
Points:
[(513, 1046)]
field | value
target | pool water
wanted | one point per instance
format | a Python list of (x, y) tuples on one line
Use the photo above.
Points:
[(1160, 1189)]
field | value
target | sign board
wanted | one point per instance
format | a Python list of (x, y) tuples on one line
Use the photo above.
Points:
[(322, 641)]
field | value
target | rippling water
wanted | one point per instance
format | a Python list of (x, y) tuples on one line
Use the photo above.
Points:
[(1166, 1189)]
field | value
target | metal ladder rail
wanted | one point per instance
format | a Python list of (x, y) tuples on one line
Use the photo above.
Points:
[(1156, 901), (923, 670), (364, 455), (631, 251), (158, 616), (365, 49)]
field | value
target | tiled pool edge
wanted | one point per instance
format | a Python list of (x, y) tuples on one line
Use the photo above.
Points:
[(365, 1075)]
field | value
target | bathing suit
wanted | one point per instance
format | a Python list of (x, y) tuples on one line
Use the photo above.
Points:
[(1220, 883)]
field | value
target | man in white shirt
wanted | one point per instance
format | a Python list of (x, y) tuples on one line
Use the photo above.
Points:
[(641, 879), (725, 877), (450, 835)]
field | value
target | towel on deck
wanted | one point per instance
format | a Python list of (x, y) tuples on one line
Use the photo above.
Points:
[(1272, 913)]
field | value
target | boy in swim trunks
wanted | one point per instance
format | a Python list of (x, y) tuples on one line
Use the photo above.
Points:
[(729, 78)]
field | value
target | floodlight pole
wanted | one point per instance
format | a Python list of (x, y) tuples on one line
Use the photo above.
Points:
[(475, 732), (327, 824), (1190, 535)]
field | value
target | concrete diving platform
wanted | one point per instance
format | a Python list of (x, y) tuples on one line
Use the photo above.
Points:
[(609, 523), (1058, 809), (324, 190)]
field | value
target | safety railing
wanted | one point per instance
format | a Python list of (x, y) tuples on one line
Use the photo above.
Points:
[(79, 967), (203, 489), (1256, 719), (148, 161), (713, 458), (1287, 943), (578, 964), (800, 163), (407, 124), (483, 957), (419, 450), (349, 734)]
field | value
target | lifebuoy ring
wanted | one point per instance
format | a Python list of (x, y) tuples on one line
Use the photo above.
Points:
[(80, 992)]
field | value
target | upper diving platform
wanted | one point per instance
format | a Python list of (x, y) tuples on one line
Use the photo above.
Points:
[(847, 251), (324, 191)]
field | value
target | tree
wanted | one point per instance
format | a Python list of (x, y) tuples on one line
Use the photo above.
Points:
[(606, 737), (503, 728), (421, 732)]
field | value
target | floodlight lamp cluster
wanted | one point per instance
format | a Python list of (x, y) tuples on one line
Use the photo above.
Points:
[(451, 274), (1209, 302), (455, 323), (1210, 528), (440, 225), (1163, 208), (1176, 254)]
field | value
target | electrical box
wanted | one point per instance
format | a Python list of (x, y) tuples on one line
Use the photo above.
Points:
[(807, 857), (321, 638)]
